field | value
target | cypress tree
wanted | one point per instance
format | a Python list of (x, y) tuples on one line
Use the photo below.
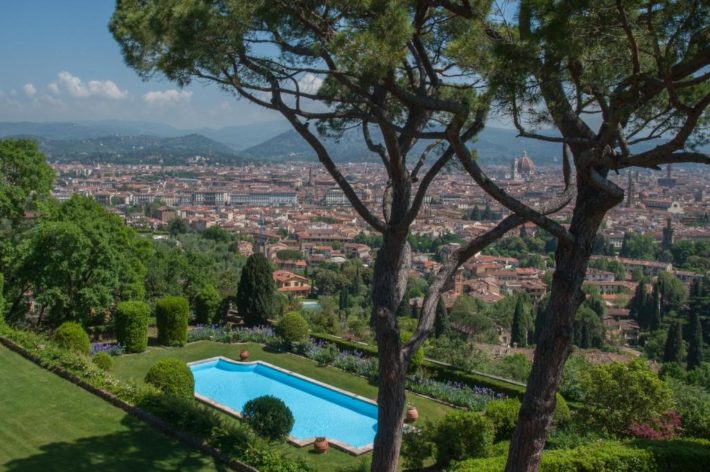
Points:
[(255, 295), (654, 309), (344, 300), (699, 299), (403, 309), (487, 214), (673, 351), (519, 330), (638, 305), (695, 342), (442, 323), (539, 320)]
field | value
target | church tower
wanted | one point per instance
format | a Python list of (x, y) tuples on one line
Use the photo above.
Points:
[(667, 236), (630, 190)]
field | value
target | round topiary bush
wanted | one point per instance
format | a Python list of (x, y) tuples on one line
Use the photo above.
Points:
[(269, 416), (293, 328), (462, 435), (131, 325), (172, 377), (562, 414), (71, 335), (103, 360), (504, 416), (171, 315)]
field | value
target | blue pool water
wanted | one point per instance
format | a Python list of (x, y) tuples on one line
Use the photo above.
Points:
[(317, 410)]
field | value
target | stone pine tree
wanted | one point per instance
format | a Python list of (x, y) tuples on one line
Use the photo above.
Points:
[(519, 330), (391, 70), (442, 323), (639, 68), (695, 342), (255, 292), (673, 350)]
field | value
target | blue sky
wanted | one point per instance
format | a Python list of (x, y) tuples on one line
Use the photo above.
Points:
[(58, 62)]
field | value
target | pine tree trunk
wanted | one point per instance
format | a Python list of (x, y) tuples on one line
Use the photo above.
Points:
[(389, 283), (557, 331)]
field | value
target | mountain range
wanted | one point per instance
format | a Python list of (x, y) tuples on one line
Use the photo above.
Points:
[(128, 141)]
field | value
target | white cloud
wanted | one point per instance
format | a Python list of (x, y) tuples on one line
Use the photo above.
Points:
[(310, 83), (51, 102), (29, 89), (77, 88), (167, 97)]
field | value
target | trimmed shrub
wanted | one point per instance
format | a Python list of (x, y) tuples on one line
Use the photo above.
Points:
[(269, 417), (131, 324), (504, 416), (173, 377), (103, 360), (71, 336), (171, 314), (635, 456), (207, 301), (293, 328), (418, 358), (562, 413), (462, 435)]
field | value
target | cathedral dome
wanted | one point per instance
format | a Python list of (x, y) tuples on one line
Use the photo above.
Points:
[(525, 164)]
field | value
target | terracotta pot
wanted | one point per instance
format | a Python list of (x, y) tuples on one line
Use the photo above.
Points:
[(321, 445), (244, 355), (412, 415)]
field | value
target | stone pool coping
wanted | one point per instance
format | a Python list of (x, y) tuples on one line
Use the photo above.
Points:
[(355, 451)]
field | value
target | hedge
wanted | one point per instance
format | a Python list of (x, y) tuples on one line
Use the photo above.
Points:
[(437, 372), (185, 419), (612, 456), (171, 315), (131, 325)]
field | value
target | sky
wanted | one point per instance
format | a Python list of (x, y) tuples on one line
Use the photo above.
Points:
[(59, 62)]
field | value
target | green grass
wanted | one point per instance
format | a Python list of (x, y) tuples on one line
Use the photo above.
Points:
[(133, 367), (49, 424)]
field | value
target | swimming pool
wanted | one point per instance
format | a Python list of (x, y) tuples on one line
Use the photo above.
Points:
[(347, 420)]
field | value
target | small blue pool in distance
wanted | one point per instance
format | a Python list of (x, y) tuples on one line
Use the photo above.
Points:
[(317, 409)]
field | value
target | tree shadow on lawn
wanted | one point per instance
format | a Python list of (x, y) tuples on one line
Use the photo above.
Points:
[(139, 448)]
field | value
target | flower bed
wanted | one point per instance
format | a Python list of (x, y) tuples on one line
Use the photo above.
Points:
[(455, 393), (112, 349), (259, 334)]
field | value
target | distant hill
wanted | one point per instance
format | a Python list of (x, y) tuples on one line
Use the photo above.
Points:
[(132, 141), (494, 145), (246, 136), (236, 137), (133, 149)]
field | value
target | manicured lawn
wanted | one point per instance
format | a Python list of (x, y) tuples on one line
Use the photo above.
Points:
[(133, 367), (49, 424)]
